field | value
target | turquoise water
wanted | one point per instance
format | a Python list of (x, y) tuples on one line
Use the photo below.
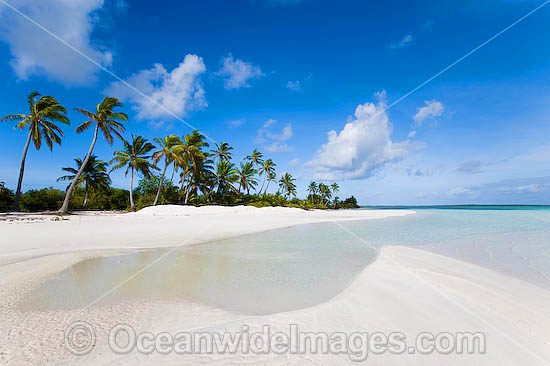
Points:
[(304, 265)]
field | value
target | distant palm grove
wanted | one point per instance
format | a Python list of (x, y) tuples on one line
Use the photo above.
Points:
[(168, 170)]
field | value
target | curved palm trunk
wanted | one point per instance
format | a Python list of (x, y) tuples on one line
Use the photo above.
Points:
[(132, 206), (266, 187), (70, 190), (21, 171), (260, 192), (85, 197), (160, 183)]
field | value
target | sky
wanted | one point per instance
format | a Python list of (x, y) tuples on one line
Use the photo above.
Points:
[(332, 91)]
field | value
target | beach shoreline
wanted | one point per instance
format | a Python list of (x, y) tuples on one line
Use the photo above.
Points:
[(405, 289)]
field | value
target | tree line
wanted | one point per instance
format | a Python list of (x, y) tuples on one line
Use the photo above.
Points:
[(204, 175)]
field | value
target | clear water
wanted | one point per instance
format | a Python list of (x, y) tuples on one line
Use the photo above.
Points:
[(297, 267), (263, 273)]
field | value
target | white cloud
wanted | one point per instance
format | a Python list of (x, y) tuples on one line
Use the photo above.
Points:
[(294, 163), (406, 41), (274, 140), (237, 73), (235, 123), (432, 109), (361, 147), (178, 91), (35, 52), (294, 85)]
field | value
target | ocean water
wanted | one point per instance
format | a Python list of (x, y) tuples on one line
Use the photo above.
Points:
[(301, 266)]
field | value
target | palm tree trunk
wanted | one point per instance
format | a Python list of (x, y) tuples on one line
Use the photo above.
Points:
[(160, 183), (260, 192), (132, 206), (21, 170), (266, 187), (85, 196), (188, 190), (70, 190)]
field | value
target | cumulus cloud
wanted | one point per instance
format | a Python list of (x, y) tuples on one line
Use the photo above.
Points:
[(363, 146), (294, 85), (178, 91), (274, 139), (237, 73), (432, 109), (406, 41), (35, 52)]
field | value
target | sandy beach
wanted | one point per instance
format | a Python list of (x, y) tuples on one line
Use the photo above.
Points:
[(405, 290)]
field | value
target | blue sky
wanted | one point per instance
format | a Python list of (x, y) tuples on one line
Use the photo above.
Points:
[(307, 82)]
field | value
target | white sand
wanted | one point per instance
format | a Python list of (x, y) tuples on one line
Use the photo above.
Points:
[(405, 290)]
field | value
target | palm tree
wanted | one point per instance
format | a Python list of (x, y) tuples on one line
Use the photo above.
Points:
[(93, 176), (312, 189), (41, 121), (134, 157), (191, 161), (246, 177), (256, 157), (266, 169), (287, 186), (335, 189), (225, 175), (324, 191), (169, 150), (106, 120), (223, 151)]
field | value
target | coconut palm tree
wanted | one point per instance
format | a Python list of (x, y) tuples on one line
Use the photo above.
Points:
[(43, 113), (225, 175), (324, 192), (256, 158), (169, 151), (312, 189), (223, 151), (266, 169), (191, 161), (94, 176), (107, 121), (246, 177), (335, 189), (134, 157), (287, 186)]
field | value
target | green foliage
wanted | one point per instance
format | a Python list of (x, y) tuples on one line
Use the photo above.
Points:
[(6, 199), (147, 188), (45, 199), (350, 202)]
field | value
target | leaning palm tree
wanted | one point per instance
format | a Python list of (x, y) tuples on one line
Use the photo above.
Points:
[(223, 151), (43, 113), (266, 169), (287, 186), (168, 149), (94, 176), (246, 177), (134, 157), (312, 189), (107, 121)]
